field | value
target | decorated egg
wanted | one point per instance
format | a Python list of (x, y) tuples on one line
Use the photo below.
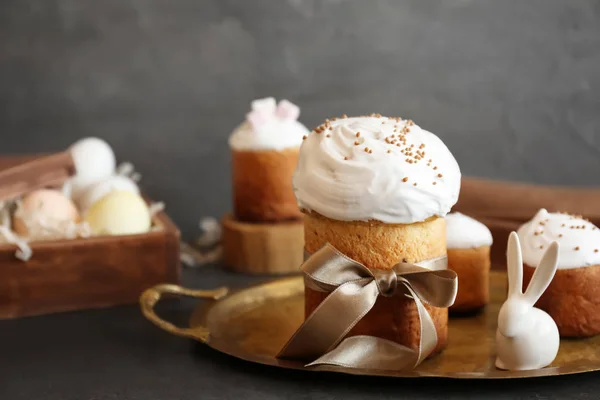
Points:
[(100, 189), (43, 207), (119, 213), (94, 161)]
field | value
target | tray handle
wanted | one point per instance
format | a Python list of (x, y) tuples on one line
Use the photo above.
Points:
[(151, 296)]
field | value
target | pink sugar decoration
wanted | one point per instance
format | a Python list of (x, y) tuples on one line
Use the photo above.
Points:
[(258, 118), (267, 105), (267, 110), (287, 110)]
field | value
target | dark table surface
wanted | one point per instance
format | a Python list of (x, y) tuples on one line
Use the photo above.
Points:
[(117, 354)]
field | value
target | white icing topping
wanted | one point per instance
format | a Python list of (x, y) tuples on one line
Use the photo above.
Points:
[(578, 239), (370, 168), (269, 127), (463, 232)]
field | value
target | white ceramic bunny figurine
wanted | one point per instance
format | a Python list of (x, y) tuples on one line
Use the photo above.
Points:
[(527, 338)]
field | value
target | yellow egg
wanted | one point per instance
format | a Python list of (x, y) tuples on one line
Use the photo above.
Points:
[(51, 206), (119, 213)]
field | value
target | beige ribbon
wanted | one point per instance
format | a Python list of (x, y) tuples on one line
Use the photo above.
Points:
[(353, 292)]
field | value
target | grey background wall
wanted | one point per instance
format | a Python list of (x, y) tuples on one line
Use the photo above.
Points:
[(511, 86)]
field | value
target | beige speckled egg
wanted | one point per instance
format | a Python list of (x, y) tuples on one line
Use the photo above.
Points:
[(50, 205), (119, 213)]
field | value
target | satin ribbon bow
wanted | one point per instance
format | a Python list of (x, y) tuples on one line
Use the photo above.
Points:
[(353, 292)]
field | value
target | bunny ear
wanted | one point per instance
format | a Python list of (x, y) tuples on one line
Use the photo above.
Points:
[(543, 274), (514, 265)]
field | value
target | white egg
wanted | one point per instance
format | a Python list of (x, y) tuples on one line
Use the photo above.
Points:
[(102, 188), (94, 161)]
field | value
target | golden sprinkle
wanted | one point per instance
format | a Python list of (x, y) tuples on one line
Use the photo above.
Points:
[(541, 246), (595, 250), (435, 183), (560, 235), (415, 184), (440, 175), (328, 135), (577, 248), (389, 151), (357, 134), (536, 233), (366, 149), (370, 151), (563, 225), (434, 168), (304, 137), (356, 143), (344, 116), (404, 179)]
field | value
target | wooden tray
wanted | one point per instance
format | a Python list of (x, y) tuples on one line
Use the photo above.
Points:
[(95, 272), (253, 324)]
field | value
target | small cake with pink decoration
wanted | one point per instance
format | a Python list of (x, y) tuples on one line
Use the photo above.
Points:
[(264, 156), (573, 297)]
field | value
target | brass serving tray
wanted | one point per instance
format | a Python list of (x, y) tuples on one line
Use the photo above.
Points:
[(254, 323)]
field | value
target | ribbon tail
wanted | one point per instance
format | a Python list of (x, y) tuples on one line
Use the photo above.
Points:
[(428, 336), (369, 352), (332, 320)]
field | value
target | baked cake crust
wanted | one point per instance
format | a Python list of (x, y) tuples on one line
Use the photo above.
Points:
[(473, 269), (572, 300), (262, 185)]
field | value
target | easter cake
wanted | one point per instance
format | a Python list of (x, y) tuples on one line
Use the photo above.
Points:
[(469, 242), (573, 298), (377, 189), (264, 156)]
